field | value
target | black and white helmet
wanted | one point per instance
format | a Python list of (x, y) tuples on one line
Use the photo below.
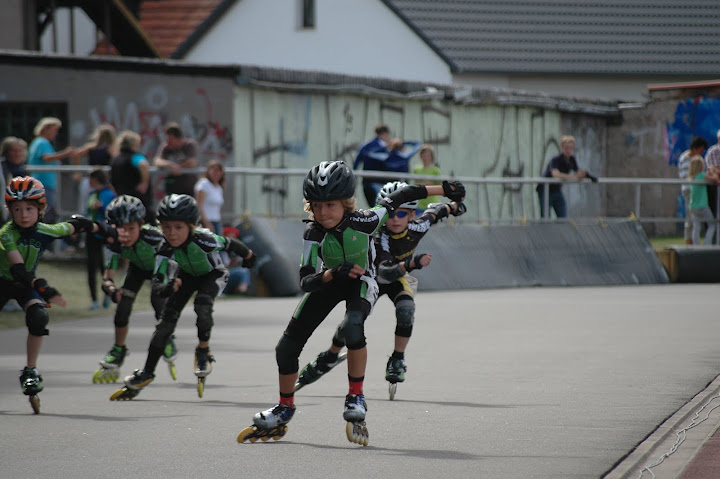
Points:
[(392, 187), (330, 180), (178, 208), (125, 209)]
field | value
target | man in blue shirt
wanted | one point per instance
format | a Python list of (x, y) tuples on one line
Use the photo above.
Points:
[(372, 156)]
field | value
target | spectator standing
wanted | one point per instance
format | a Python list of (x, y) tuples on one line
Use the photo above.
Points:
[(13, 153), (177, 155), (99, 198), (99, 150), (712, 164), (698, 145), (400, 153), (699, 208), (42, 153), (560, 167), (209, 193), (428, 167), (371, 156), (130, 172)]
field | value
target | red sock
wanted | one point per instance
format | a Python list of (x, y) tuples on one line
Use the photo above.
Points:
[(288, 401), (356, 385)]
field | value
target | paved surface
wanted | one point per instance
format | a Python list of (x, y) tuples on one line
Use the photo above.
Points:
[(540, 383)]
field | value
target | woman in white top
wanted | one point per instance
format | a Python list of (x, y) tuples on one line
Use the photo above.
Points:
[(209, 196)]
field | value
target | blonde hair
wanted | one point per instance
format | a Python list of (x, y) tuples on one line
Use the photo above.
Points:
[(9, 142), (44, 123), (567, 139), (349, 204), (697, 165), (103, 135), (128, 140), (428, 148), (212, 164)]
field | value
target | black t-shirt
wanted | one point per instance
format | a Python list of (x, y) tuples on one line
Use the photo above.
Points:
[(561, 163)]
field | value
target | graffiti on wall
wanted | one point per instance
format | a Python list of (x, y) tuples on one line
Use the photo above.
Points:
[(148, 116), (696, 116), (296, 131)]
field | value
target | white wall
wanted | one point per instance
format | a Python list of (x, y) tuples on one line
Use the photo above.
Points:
[(85, 33), (356, 37)]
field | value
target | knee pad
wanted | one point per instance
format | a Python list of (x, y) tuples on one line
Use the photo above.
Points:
[(204, 310), (352, 329), (338, 340), (36, 320), (287, 353), (164, 329), (123, 311), (405, 315)]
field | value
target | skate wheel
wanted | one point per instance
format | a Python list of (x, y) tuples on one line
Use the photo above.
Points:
[(35, 403), (392, 389), (357, 433), (173, 372), (265, 438), (114, 376), (97, 377), (201, 386), (243, 436)]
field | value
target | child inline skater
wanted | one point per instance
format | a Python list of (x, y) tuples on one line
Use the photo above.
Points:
[(337, 265), (200, 269), (138, 243), (396, 243), (23, 241)]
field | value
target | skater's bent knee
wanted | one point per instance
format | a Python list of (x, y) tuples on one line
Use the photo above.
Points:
[(287, 353), (36, 320), (352, 329), (405, 315), (204, 310), (123, 311)]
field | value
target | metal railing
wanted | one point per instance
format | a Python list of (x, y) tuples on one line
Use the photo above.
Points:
[(475, 186)]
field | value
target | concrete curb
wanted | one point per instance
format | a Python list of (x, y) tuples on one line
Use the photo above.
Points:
[(664, 438)]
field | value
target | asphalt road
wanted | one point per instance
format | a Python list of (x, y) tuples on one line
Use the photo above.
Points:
[(531, 383)]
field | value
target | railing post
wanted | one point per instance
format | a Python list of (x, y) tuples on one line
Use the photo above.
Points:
[(637, 201), (546, 200)]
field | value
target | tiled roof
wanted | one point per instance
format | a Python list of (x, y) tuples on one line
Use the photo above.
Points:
[(569, 36), (171, 25)]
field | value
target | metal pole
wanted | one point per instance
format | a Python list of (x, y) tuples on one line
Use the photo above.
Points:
[(637, 201)]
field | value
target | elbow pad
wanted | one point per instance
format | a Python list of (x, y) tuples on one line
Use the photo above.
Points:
[(439, 210), (19, 273), (237, 247)]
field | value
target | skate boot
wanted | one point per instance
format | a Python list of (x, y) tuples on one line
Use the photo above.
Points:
[(134, 383), (271, 423), (316, 369), (110, 370), (31, 384), (395, 373), (356, 429), (203, 367), (170, 353)]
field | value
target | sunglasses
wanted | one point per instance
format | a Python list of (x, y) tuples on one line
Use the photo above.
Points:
[(399, 214)]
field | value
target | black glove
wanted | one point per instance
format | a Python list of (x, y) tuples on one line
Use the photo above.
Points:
[(342, 270), (249, 262), (461, 209), (106, 231), (45, 290), (109, 288), (591, 177), (81, 224), (455, 195), (416, 260), (164, 290)]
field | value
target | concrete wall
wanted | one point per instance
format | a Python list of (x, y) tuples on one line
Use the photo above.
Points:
[(275, 129), (11, 25), (135, 100), (649, 142)]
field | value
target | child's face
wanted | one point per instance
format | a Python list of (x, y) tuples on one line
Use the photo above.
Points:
[(94, 184), (426, 157), (328, 213), (568, 148), (129, 234), (396, 224), (176, 232), (24, 213)]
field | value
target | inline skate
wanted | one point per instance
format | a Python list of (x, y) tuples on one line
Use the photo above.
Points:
[(203, 367), (134, 383), (318, 368), (394, 374), (110, 365), (31, 383), (271, 423), (356, 428)]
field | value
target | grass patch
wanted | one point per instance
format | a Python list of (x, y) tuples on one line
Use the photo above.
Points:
[(70, 278), (661, 242)]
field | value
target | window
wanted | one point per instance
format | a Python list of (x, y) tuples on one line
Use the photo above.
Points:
[(19, 119), (307, 14)]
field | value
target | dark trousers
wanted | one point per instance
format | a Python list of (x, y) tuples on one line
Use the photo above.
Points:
[(556, 202)]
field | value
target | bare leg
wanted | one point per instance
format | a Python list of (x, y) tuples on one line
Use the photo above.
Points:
[(401, 343), (357, 361), (121, 335), (34, 343)]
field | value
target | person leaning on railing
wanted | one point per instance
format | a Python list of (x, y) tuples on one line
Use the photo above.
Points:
[(560, 167)]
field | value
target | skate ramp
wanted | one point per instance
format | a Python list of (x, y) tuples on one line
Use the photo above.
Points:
[(473, 256), (691, 263)]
